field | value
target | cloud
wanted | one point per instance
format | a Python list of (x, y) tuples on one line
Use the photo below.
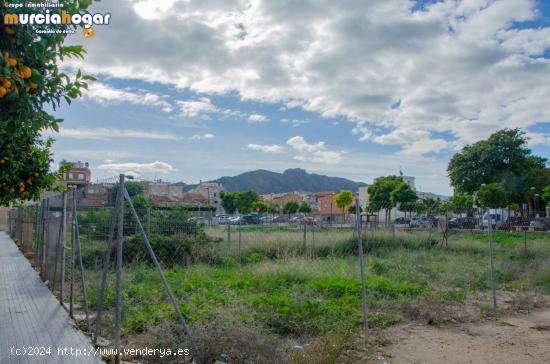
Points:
[(273, 149), (295, 122), (109, 133), (95, 154), (155, 167), (193, 108), (317, 153), (202, 136), (106, 94), (257, 118), (414, 142), (454, 67)]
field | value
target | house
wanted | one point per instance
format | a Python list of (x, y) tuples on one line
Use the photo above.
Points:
[(95, 194), (281, 199), (79, 175), (211, 193)]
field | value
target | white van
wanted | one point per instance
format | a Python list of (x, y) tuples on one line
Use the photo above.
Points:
[(498, 217)]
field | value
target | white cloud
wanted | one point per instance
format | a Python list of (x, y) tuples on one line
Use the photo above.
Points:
[(108, 133), (94, 154), (106, 94), (194, 108), (317, 153), (202, 136), (456, 67), (155, 167), (257, 118), (295, 122), (273, 149)]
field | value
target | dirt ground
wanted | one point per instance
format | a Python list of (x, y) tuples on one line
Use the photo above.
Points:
[(518, 338)]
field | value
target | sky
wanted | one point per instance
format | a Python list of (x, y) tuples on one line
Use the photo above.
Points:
[(191, 90)]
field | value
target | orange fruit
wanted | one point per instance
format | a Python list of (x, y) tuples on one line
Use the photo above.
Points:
[(9, 31), (3, 91), (26, 72), (2, 161), (27, 89), (12, 62), (33, 85), (6, 84)]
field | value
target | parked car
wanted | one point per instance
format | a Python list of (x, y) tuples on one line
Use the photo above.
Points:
[(266, 219), (295, 219), (223, 219), (402, 222), (540, 224), (251, 219), (236, 220), (462, 223), (420, 222), (515, 221), (308, 221), (198, 220)]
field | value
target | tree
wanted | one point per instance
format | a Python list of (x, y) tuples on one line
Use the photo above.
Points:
[(31, 81), (382, 195), (502, 158), (492, 195), (304, 208), (343, 199), (228, 201), (260, 206), (351, 209), (141, 202), (403, 196), (273, 209), (133, 188), (431, 206), (461, 203), (546, 194), (291, 207), (245, 202)]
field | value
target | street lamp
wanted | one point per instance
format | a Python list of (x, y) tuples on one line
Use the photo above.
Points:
[(536, 204)]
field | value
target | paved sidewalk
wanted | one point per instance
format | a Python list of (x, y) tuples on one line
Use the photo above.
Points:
[(30, 316)]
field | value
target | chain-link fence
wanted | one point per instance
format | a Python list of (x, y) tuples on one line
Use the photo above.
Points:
[(267, 288)]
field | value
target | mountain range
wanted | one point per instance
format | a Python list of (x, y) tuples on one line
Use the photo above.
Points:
[(263, 181)]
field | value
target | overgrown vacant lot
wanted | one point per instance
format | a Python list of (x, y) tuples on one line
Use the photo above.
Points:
[(287, 304)]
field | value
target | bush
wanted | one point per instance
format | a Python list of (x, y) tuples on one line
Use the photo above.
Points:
[(182, 249)]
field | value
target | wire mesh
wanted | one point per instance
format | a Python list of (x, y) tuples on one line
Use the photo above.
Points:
[(272, 279)]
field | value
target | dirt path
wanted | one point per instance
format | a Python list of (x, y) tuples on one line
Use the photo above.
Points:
[(514, 339)]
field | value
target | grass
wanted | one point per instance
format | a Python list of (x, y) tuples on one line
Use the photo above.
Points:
[(283, 293)]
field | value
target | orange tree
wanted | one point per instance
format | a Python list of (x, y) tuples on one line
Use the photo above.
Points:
[(30, 80)]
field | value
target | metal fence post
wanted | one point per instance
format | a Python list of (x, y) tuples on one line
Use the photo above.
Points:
[(161, 274), (63, 247), (363, 278), (37, 235), (80, 263), (148, 220), (490, 233), (106, 261), (313, 239), (240, 241), (46, 221), (19, 231), (229, 239), (304, 246), (73, 233), (120, 236)]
